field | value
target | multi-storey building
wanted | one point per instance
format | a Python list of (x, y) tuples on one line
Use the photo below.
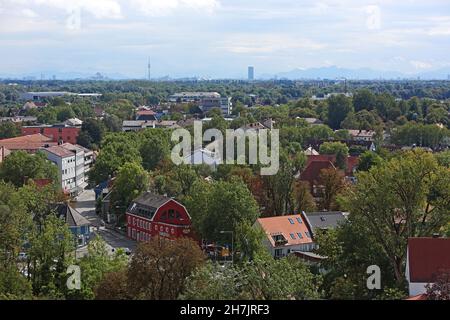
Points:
[(59, 133), (65, 160), (206, 100), (152, 215)]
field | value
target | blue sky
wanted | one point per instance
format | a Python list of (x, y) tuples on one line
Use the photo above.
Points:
[(220, 38)]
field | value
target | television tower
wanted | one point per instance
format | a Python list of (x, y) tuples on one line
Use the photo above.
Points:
[(149, 70)]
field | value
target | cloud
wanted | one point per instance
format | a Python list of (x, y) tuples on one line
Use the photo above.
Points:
[(98, 8), (266, 43), (164, 7), (373, 21), (420, 64)]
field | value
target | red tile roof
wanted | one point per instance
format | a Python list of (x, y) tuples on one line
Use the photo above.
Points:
[(313, 170), (427, 257), (418, 297), (32, 142), (146, 113), (281, 225)]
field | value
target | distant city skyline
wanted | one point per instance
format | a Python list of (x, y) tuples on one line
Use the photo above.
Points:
[(221, 38)]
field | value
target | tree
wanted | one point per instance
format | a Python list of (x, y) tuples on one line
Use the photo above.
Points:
[(158, 269), (91, 133), (112, 123), (336, 148), (338, 108), (8, 130), (420, 135), (263, 278), (440, 289), (333, 184), (304, 199), (222, 206), (364, 100), (155, 148), (131, 181), (20, 166), (362, 120), (113, 286), (117, 150), (409, 196), (333, 148), (95, 266), (50, 245), (368, 160)]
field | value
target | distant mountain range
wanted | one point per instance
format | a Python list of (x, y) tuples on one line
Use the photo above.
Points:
[(331, 72)]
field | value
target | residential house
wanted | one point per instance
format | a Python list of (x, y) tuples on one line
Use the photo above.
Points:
[(78, 225), (153, 215), (312, 121), (137, 125), (4, 152), (316, 163), (362, 135), (286, 235), (59, 133), (74, 122), (29, 143), (326, 220), (146, 115), (426, 259), (206, 101)]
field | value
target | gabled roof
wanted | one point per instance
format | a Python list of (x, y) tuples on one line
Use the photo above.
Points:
[(71, 216), (60, 151), (281, 225), (427, 257), (29, 142), (151, 200), (325, 220)]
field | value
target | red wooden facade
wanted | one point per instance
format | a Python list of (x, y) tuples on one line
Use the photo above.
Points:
[(165, 218)]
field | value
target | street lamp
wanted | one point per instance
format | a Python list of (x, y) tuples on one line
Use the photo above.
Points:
[(232, 244)]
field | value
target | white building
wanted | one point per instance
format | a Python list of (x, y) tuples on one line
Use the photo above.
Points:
[(286, 235), (426, 258), (65, 160), (72, 162)]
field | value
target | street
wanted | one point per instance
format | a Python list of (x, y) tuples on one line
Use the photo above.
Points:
[(85, 204)]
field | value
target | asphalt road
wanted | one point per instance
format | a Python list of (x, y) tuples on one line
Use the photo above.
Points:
[(85, 204)]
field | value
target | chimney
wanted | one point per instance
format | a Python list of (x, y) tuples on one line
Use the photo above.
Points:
[(436, 235)]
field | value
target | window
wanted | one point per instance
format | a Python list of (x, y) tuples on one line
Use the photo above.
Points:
[(171, 214), (178, 216), (278, 253), (291, 221), (292, 236), (299, 220), (299, 234), (307, 234)]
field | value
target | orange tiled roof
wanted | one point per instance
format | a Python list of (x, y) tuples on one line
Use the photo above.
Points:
[(282, 225), (30, 142)]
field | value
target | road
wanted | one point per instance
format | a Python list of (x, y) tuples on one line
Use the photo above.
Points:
[(85, 204)]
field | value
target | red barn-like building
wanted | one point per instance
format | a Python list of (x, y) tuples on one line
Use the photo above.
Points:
[(57, 132), (153, 215)]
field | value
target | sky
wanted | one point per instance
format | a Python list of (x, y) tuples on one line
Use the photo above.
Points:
[(220, 38)]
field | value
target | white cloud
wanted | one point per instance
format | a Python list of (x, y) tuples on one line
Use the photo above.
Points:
[(164, 7), (421, 64), (373, 21), (266, 43), (28, 13), (97, 8)]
